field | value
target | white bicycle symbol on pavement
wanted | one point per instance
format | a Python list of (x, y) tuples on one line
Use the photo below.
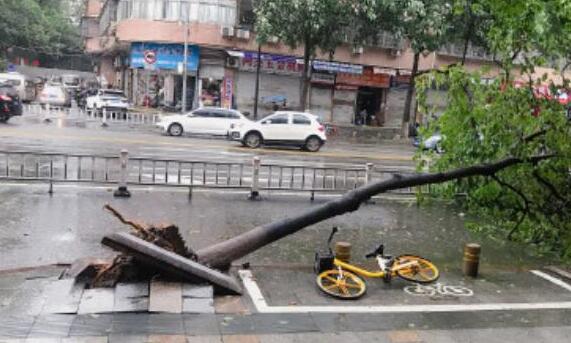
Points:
[(438, 289)]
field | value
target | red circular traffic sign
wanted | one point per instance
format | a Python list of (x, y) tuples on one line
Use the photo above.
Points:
[(150, 56)]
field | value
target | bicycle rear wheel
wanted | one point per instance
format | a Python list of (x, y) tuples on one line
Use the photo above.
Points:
[(341, 284), (415, 269)]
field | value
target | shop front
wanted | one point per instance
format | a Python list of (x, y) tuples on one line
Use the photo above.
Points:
[(157, 74), (370, 94)]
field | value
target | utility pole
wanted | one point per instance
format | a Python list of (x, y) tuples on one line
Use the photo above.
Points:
[(185, 64), (257, 90)]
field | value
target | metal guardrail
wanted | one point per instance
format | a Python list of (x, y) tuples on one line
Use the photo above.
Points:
[(124, 170), (104, 116)]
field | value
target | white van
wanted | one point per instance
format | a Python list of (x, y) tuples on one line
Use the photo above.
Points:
[(23, 84)]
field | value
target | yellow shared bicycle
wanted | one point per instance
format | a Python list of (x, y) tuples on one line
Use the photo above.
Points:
[(344, 280)]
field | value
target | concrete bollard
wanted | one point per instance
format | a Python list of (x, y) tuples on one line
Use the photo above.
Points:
[(368, 172), (471, 259), (343, 251), (122, 190), (255, 192), (104, 117)]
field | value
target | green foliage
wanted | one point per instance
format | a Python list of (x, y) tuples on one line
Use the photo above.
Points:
[(40, 25), (530, 202)]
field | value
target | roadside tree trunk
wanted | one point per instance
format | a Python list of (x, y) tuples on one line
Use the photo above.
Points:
[(305, 78), (221, 255), (409, 96)]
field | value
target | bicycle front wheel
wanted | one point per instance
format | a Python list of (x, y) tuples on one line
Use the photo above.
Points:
[(341, 284), (415, 269)]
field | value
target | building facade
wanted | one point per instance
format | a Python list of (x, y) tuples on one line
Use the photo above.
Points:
[(140, 48)]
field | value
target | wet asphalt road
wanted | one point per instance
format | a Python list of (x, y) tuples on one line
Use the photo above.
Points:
[(72, 136)]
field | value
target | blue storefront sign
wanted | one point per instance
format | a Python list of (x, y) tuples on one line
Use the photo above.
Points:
[(163, 56)]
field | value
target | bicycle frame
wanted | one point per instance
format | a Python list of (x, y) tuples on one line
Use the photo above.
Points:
[(366, 273)]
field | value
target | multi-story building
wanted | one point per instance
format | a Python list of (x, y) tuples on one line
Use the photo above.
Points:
[(140, 46)]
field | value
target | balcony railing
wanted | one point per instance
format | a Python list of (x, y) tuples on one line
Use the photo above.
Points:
[(211, 11), (473, 52)]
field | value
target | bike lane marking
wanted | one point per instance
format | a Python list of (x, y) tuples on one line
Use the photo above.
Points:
[(262, 306), (552, 279)]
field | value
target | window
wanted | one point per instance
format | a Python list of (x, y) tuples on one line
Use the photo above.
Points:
[(300, 119), (202, 114), (278, 119)]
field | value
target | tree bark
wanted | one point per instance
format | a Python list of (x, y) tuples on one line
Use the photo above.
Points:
[(409, 96), (222, 254)]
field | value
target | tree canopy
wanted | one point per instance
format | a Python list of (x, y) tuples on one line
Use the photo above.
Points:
[(312, 24), (42, 26)]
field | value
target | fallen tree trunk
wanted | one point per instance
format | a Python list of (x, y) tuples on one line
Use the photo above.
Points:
[(222, 254)]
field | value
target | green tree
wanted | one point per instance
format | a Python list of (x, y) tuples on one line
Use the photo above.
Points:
[(41, 26), (530, 202), (423, 23), (311, 24)]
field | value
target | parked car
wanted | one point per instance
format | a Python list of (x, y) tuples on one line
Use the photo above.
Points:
[(204, 120), (10, 104), (108, 99), (282, 128), (24, 85), (54, 95)]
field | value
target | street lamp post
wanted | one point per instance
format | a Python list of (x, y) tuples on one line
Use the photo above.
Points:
[(257, 87)]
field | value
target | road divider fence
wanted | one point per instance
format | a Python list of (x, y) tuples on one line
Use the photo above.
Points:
[(124, 170)]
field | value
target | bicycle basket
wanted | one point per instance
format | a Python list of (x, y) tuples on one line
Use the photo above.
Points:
[(323, 262)]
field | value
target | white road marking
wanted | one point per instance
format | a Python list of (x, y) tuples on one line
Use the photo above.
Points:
[(262, 306), (552, 279)]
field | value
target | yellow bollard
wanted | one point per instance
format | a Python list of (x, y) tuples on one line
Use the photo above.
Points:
[(343, 251), (471, 259)]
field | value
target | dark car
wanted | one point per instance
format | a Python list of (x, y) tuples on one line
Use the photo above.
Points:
[(10, 104)]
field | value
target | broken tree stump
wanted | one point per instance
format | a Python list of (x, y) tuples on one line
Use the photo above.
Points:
[(170, 263)]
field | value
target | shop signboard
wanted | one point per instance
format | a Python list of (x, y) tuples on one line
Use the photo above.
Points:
[(163, 56), (227, 90), (269, 63), (322, 78), (338, 67), (367, 79)]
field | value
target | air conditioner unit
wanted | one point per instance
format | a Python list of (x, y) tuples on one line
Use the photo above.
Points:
[(243, 34), (227, 31), (357, 50), (232, 62), (396, 52)]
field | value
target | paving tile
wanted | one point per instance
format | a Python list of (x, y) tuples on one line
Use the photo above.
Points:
[(201, 324), (15, 327), (43, 340), (62, 296), (165, 297), (131, 297), (121, 338), (91, 325), (198, 305), (284, 323), (139, 324), (97, 300), (236, 324), (204, 339), (344, 337), (197, 291), (166, 339), (403, 336), (240, 339), (54, 325), (230, 304), (87, 339)]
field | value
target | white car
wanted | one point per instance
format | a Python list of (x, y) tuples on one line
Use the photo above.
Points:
[(204, 120), (108, 99), (54, 95), (282, 128)]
